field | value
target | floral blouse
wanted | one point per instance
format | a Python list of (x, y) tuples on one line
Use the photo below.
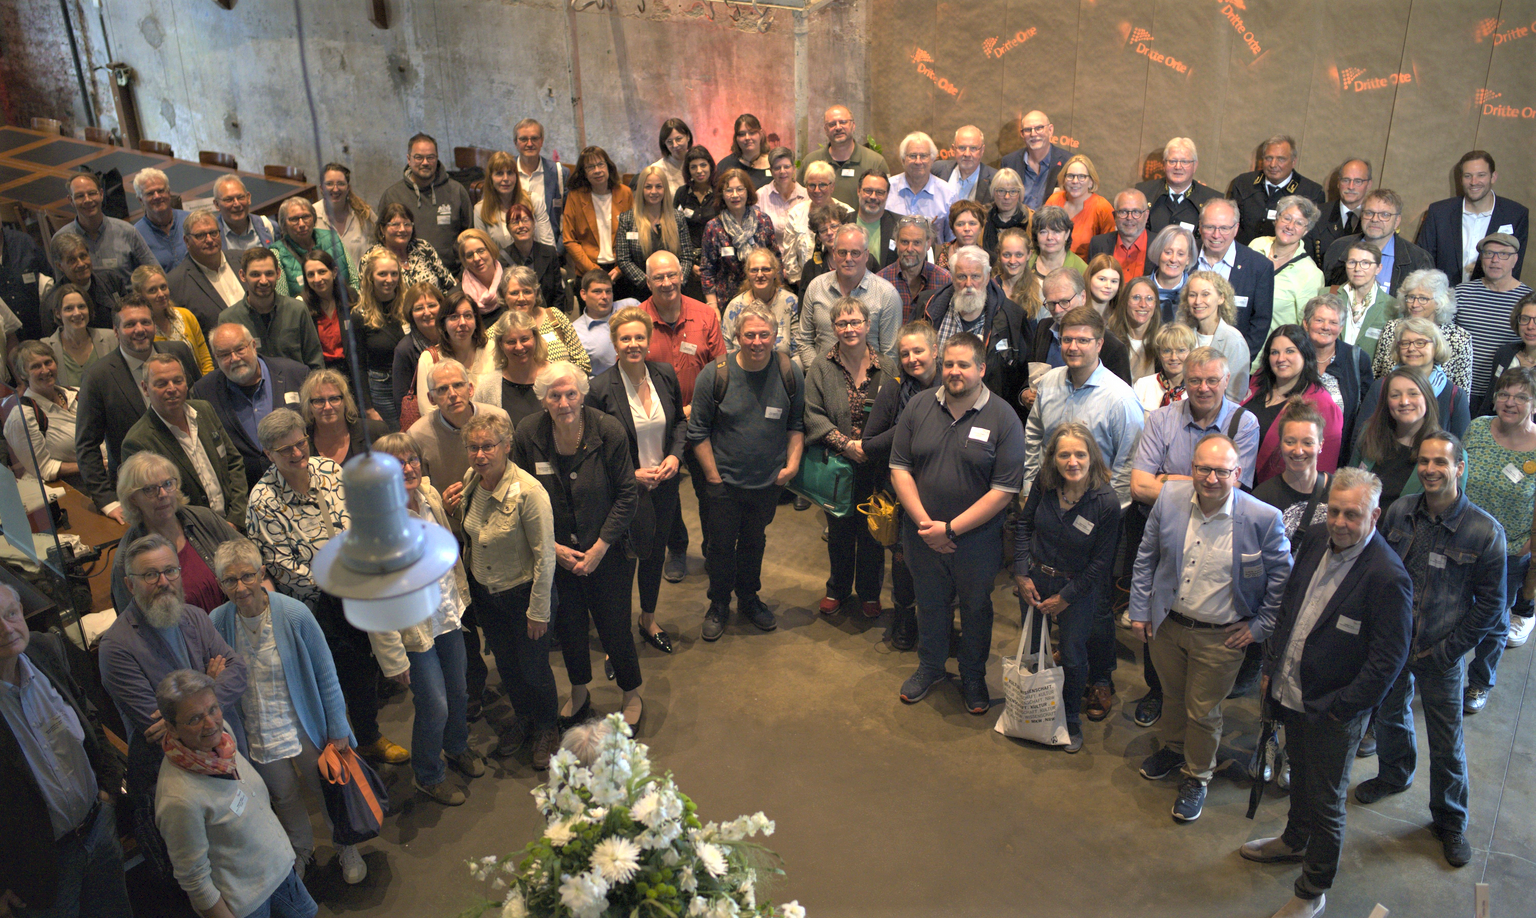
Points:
[(291, 528), (1458, 368), (422, 266), (721, 265)]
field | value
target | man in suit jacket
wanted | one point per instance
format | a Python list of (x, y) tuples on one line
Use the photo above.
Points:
[(971, 177), (206, 282), (1251, 275), (1128, 243), (1207, 582), (61, 779), (1442, 235), (1341, 217), (1257, 192), (1341, 638), (244, 389), (874, 188), (111, 401), (544, 180), (1038, 161), (1176, 198), (1379, 220), (191, 436)]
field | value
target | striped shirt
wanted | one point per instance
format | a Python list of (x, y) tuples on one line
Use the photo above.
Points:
[(1484, 314)]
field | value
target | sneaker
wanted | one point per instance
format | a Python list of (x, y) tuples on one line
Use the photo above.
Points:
[(828, 605), (302, 863), (1476, 699), (1272, 851), (544, 747), (353, 870), (1302, 908), (1368, 792), (1149, 710), (1074, 741), (871, 609), (443, 792), (675, 569), (513, 738), (714, 621), (977, 699), (383, 752), (904, 630), (1458, 852), (758, 614), (1519, 630), (1191, 801), (467, 763), (1161, 764), (917, 686)]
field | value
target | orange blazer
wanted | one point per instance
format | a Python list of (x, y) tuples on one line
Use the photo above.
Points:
[(579, 226)]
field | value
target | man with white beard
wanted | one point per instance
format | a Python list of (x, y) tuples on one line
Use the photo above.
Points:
[(155, 635), (245, 388), (972, 304)]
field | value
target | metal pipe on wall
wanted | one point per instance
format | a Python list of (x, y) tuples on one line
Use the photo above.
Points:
[(74, 51)]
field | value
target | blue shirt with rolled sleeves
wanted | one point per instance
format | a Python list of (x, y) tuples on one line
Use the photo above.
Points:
[(1170, 435)]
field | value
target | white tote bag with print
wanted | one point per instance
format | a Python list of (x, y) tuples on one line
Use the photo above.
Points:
[(1032, 687)]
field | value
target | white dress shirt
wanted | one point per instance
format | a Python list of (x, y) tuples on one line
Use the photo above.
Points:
[(1205, 583), (1331, 571)]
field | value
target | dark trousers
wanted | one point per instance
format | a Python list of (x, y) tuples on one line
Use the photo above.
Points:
[(1073, 626), (603, 597), (356, 670), (738, 534), (521, 661), (677, 540), (668, 517), (857, 560), (1102, 642), (90, 873), (1321, 753), (964, 575), (1484, 670), (1397, 753), (475, 670)]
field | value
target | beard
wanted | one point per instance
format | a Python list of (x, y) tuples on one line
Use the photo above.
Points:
[(969, 302), (244, 376), (165, 609)]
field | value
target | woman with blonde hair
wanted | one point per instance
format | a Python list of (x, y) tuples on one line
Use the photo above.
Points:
[(650, 225), (172, 322), (481, 279), (762, 286), (503, 187), (1206, 305), (378, 329), (336, 430), (1078, 195), (1011, 270), (518, 353), (520, 291), (1170, 348)]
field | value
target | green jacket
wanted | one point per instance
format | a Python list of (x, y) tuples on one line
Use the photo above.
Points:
[(291, 261), (289, 331), (1377, 315), (150, 433)]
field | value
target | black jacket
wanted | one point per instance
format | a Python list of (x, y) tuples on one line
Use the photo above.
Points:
[(609, 396), (1406, 259), (1352, 369), (545, 262), (1165, 212), (1114, 355), (110, 404), (1346, 671), (1009, 332), (1254, 202), (106, 287), (602, 498), (287, 376), (1328, 230), (23, 259)]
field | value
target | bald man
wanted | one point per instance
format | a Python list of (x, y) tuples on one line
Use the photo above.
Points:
[(850, 158), (1127, 244), (1038, 161), (971, 178)]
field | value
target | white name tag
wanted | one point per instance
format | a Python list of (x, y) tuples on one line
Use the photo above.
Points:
[(632, 237), (728, 251), (773, 414), (1083, 524), (980, 433), (687, 213), (1437, 560), (543, 468), (1373, 333), (220, 450), (107, 264), (891, 245), (689, 348), (848, 173), (1270, 215), (1349, 625), (1188, 226), (291, 398), (551, 337), (1002, 345), (444, 214), (1507, 228), (237, 805), (257, 343), (1240, 302), (29, 278), (1513, 474)]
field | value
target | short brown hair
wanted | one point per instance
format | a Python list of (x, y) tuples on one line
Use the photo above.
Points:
[(1082, 316)]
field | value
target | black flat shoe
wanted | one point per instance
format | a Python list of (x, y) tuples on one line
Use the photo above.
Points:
[(582, 715), (608, 668), (659, 640)]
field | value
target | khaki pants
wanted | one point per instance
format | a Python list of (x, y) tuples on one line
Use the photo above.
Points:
[(1197, 671)]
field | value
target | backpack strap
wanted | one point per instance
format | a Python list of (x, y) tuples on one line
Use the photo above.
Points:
[(786, 370), (722, 379), (1235, 422), (723, 376)]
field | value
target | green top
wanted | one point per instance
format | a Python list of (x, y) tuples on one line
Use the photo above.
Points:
[(1501, 481)]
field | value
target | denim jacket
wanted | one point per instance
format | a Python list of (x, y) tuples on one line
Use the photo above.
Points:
[(1463, 596)]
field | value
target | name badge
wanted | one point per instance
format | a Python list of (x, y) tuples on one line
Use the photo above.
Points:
[(257, 343), (632, 236), (29, 278), (773, 414), (543, 468), (1437, 560), (108, 263), (848, 173), (1188, 226), (1270, 215), (980, 433), (1002, 344), (1507, 228), (1349, 625), (687, 213), (728, 251), (550, 337), (689, 348), (1241, 302), (891, 245), (237, 805), (1253, 570), (291, 398), (1373, 333), (444, 214), (1083, 524), (220, 450), (1513, 474)]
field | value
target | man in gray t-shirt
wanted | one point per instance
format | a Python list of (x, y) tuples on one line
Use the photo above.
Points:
[(747, 435)]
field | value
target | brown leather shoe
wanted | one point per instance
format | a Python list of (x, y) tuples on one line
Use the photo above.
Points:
[(1096, 708), (545, 745)]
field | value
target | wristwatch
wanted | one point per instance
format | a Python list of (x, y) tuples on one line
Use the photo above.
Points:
[(949, 532)]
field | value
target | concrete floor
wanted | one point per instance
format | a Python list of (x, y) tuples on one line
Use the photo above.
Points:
[(890, 810)]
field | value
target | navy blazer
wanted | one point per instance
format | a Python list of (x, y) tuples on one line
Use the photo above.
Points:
[(1254, 203), (285, 378), (555, 179), (1054, 158), (945, 168), (1253, 284), (1346, 671), (1440, 233)]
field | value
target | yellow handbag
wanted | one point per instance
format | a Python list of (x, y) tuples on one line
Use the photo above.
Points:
[(882, 513)]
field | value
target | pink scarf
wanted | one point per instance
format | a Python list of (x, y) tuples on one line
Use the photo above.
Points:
[(486, 298), (220, 763)]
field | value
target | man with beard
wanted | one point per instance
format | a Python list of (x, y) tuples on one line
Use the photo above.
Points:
[(442, 206), (955, 495), (877, 222), (912, 275), (850, 276), (245, 388), (1127, 245), (205, 283), (1452, 227), (851, 159), (1342, 217), (157, 634), (281, 325), (971, 303)]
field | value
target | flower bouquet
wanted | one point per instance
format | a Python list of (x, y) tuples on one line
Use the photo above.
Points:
[(622, 842)]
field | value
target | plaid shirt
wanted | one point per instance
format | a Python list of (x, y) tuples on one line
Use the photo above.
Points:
[(934, 277)]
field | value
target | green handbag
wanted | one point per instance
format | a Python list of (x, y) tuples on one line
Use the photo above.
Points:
[(825, 479)]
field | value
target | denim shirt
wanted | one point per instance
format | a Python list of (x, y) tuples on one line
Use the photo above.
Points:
[(1457, 567)]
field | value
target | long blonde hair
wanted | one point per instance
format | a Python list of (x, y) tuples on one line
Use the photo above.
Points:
[(368, 308), (644, 225), (493, 209)]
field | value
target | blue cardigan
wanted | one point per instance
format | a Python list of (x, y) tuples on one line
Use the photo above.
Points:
[(307, 666)]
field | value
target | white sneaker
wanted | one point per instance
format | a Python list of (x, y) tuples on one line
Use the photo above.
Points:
[(353, 870), (1124, 619), (1519, 630), (1302, 908)]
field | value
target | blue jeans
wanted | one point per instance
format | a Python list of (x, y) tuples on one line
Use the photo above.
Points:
[(966, 576), (1321, 753), (1484, 670), (438, 692), (290, 900), (90, 874), (1073, 625), (1395, 749)]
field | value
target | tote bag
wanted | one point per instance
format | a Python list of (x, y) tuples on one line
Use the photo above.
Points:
[(355, 799), (1032, 686), (825, 478)]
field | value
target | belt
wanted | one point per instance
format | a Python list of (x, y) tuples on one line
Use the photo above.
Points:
[(84, 828), (1053, 572), (1188, 622)]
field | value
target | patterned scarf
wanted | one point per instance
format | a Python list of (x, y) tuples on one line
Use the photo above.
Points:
[(743, 232), (220, 763), (1171, 393)]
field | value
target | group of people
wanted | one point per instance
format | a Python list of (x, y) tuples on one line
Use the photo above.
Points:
[(1139, 389)]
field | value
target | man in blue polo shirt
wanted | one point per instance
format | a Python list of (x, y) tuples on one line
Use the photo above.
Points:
[(956, 462)]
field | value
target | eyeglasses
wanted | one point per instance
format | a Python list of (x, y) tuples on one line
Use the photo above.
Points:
[(171, 574), (1033, 128), (1206, 471), (1493, 255), (1514, 397), (1076, 341), (410, 461), (205, 234), (445, 388), (1417, 344), (423, 157), (1354, 181), (817, 186), (1378, 214), (325, 401), (249, 578), (1355, 263), (475, 449), (398, 225), (1054, 305), (1178, 163), (1217, 228), (1075, 177), (1128, 214), (1292, 219), (167, 486), (1417, 299), (298, 447), (1527, 320), (845, 324)]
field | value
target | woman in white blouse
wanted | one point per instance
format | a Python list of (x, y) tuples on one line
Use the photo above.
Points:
[(1206, 305), (45, 416)]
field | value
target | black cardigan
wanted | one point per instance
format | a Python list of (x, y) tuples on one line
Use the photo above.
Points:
[(604, 494)]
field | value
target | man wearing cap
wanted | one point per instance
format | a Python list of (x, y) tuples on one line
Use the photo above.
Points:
[(1483, 305)]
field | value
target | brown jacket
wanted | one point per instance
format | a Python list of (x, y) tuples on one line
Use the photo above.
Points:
[(578, 226)]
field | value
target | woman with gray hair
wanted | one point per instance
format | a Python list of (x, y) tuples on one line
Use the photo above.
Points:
[(1297, 276), (1169, 256), (226, 845), (581, 457), (520, 291), (149, 489), (1007, 208), (1418, 343), (41, 423), (292, 706), (1426, 293)]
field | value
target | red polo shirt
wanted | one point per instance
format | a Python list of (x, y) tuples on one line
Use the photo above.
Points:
[(688, 344)]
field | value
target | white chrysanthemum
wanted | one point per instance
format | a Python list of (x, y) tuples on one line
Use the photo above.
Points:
[(697, 907), (514, 907), (712, 858), (586, 895), (559, 833), (617, 859), (686, 880), (792, 909), (647, 810)]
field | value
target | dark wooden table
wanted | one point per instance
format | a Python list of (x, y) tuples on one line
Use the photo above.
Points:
[(34, 164)]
